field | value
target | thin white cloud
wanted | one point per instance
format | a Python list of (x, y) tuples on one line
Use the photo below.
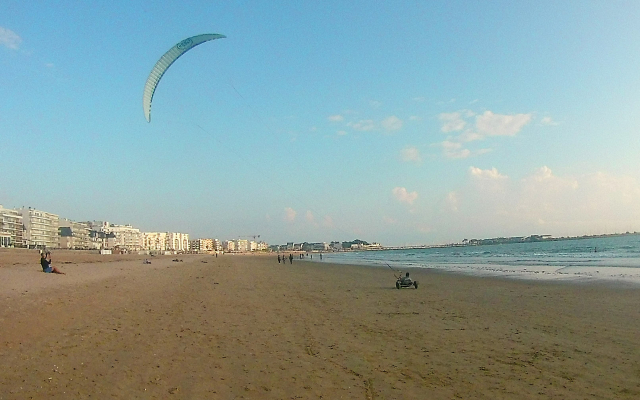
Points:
[(403, 196), (491, 124), (415, 118), (327, 222), (341, 133), (469, 136), (486, 173), (548, 121), (363, 125), (452, 122), (454, 150), (389, 220), (392, 123), (9, 39), (452, 201), (336, 118), (410, 154), (289, 214), (543, 202), (375, 104), (309, 216)]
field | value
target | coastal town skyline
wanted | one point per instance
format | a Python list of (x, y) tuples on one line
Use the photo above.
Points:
[(405, 124)]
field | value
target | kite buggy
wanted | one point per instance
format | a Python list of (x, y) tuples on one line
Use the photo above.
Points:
[(405, 282)]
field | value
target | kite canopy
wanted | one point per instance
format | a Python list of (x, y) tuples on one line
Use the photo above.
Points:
[(165, 62)]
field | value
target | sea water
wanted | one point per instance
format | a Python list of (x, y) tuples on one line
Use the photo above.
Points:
[(611, 258)]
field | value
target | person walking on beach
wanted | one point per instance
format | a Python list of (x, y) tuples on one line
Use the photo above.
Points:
[(45, 262), (278, 258), (290, 258)]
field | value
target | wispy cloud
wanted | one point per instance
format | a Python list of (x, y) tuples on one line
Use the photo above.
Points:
[(392, 123), (403, 196), (327, 222), (491, 124), (364, 125), (336, 118), (389, 220), (410, 154), (486, 173), (454, 150), (452, 201), (309, 217), (289, 214), (452, 122), (548, 121), (484, 125), (9, 39), (545, 202), (341, 133)]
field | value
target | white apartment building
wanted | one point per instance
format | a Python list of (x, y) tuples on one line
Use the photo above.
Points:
[(201, 245), (74, 235), (242, 245), (178, 242), (127, 236), (11, 228), (229, 246), (217, 246), (40, 228), (154, 241)]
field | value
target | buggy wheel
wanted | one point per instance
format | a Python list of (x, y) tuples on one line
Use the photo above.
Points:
[(415, 284), (397, 285)]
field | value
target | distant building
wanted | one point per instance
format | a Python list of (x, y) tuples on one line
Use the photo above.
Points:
[(229, 246), (217, 246), (154, 241), (11, 228), (178, 242), (40, 228), (74, 235), (101, 240), (242, 245), (201, 245), (127, 237), (315, 246)]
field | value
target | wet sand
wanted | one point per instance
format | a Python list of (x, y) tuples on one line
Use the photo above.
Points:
[(249, 327)]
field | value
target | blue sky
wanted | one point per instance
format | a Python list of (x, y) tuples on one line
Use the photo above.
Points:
[(397, 122)]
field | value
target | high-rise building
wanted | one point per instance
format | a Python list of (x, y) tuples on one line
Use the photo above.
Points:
[(40, 228), (11, 228)]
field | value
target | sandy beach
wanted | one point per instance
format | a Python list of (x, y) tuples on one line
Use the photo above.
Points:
[(249, 327)]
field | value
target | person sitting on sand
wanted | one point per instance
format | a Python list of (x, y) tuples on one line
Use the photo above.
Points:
[(45, 261)]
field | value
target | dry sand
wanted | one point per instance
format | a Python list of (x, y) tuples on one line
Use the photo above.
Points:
[(249, 327)]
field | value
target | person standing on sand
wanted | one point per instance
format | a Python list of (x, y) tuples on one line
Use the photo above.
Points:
[(278, 258), (290, 258), (45, 262)]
